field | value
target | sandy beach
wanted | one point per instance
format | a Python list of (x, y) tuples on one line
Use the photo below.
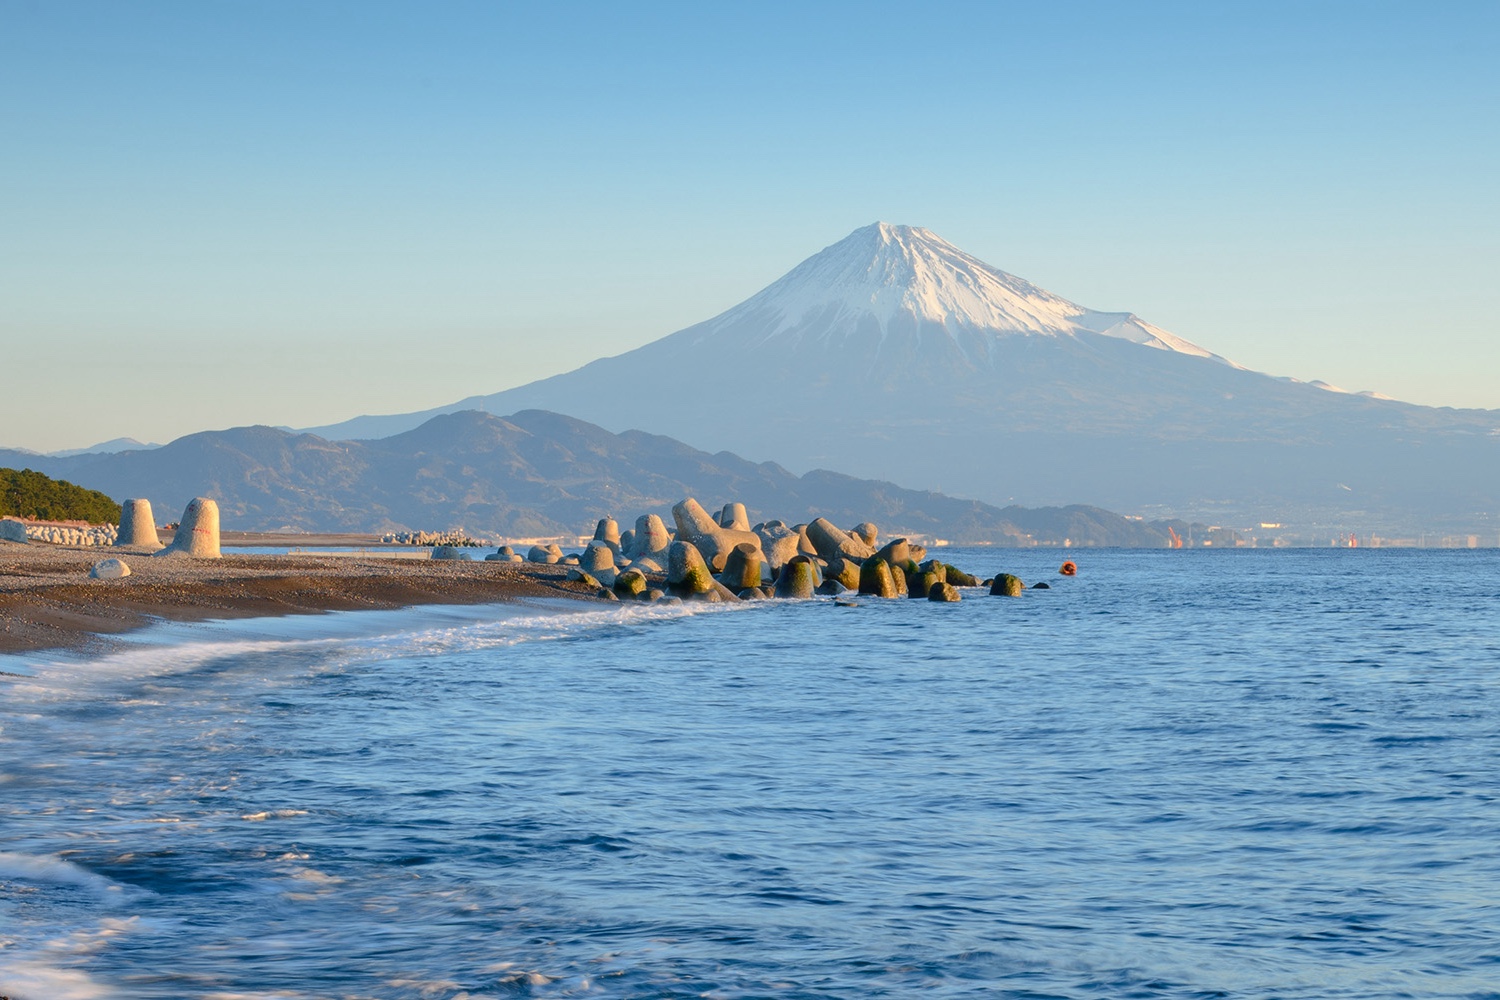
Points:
[(48, 601)]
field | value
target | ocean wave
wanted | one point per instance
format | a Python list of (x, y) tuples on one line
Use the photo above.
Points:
[(341, 636), (51, 870), (38, 961), (44, 969), (28, 978)]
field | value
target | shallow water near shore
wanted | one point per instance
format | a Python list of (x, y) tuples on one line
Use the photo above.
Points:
[(1179, 774)]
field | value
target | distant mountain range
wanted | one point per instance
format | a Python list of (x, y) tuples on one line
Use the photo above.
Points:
[(103, 447), (535, 473), (106, 447), (893, 354)]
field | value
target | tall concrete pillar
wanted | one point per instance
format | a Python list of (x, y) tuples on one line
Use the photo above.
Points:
[(137, 529), (198, 533)]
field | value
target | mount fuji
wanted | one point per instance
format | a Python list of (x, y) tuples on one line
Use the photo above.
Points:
[(895, 355)]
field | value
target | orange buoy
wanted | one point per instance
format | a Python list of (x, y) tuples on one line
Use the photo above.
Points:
[(1069, 568)]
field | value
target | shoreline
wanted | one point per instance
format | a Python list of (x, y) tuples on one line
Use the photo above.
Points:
[(48, 601)]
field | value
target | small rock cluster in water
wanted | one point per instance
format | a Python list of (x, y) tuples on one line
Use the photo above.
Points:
[(453, 538), (720, 557)]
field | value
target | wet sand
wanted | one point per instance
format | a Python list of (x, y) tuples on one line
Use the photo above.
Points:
[(47, 600)]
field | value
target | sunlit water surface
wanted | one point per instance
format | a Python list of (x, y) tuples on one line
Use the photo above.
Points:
[(1180, 774)]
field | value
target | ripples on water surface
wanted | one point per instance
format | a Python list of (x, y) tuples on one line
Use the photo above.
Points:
[(1181, 774)]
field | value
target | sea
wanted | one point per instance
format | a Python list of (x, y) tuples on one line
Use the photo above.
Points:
[(1178, 774)]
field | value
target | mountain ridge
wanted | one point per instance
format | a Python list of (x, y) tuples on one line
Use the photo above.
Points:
[(535, 473)]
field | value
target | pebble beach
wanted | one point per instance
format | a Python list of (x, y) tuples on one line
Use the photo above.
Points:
[(48, 601)]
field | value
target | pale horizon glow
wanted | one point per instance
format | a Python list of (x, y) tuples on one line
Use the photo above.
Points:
[(295, 214)]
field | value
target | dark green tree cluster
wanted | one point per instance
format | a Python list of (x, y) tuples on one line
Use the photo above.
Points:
[(24, 493)]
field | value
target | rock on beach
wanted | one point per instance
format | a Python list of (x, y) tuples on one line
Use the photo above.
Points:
[(109, 569)]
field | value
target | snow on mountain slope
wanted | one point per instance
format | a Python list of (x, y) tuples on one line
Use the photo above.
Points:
[(886, 305), (894, 278)]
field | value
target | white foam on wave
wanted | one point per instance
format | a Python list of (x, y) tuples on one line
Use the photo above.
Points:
[(51, 870), (343, 636), (558, 621), (38, 962), (46, 970), (261, 817), (71, 675), (28, 977)]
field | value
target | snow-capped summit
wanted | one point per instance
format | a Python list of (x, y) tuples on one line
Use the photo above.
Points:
[(896, 273), (885, 280)]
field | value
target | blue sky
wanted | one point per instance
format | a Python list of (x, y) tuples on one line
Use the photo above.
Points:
[(292, 213)]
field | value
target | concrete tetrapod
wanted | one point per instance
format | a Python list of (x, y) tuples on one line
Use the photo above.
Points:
[(804, 544), (778, 542), (845, 571), (943, 592), (651, 539), (895, 551), (599, 560), (687, 572), (579, 576), (608, 531), (876, 580), (713, 542), (631, 583), (137, 528), (197, 532), (922, 584), (597, 555), (899, 577), (1006, 585), (798, 579), (958, 577), (741, 568), (734, 517), (831, 542)]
